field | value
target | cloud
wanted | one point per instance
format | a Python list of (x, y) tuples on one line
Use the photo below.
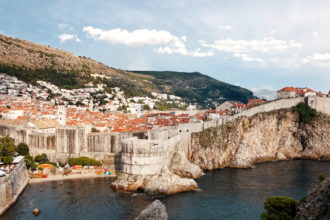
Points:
[(251, 50), (62, 26), (318, 59), (225, 27), (67, 37), (136, 37), (248, 58), (168, 43), (266, 45), (198, 53), (315, 35), (65, 26)]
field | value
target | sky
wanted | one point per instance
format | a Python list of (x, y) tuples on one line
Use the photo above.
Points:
[(255, 44)]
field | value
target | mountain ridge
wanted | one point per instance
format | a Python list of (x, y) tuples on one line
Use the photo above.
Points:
[(30, 62)]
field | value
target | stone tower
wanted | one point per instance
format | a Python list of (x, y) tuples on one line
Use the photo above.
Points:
[(61, 114)]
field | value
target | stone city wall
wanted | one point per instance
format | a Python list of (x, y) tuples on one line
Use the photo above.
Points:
[(11, 187), (112, 148)]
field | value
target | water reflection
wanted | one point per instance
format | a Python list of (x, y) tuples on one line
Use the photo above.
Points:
[(224, 194)]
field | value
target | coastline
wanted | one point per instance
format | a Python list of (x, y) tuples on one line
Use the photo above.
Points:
[(20, 191), (68, 177)]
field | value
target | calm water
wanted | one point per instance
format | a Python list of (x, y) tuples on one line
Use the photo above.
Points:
[(224, 194)]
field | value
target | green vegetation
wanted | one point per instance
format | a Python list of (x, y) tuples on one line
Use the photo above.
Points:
[(164, 106), (95, 130), (22, 149), (196, 87), (84, 161), (68, 72), (321, 177), (41, 158), (63, 79), (280, 208), (7, 149), (306, 113)]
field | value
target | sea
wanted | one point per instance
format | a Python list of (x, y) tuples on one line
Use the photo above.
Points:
[(224, 194)]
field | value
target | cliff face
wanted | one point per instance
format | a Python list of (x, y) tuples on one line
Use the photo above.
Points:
[(276, 135), (316, 205)]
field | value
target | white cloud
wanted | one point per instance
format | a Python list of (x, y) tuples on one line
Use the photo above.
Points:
[(67, 37), (315, 35), (65, 26), (168, 43), (266, 45), (225, 27), (198, 53), (319, 59), (137, 37), (62, 26), (248, 58)]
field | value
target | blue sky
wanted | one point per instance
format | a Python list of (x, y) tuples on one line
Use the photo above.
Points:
[(255, 44)]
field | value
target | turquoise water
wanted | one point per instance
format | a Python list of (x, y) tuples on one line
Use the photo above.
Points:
[(225, 194)]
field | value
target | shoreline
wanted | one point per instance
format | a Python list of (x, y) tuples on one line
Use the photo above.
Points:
[(68, 177)]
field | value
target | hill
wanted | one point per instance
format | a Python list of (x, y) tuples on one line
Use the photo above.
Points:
[(31, 62), (196, 87)]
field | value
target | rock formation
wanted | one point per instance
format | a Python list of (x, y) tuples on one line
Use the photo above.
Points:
[(155, 210), (163, 183), (316, 205), (276, 135)]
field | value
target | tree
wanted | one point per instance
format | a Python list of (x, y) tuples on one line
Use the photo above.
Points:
[(41, 158), (22, 149), (279, 208), (7, 159), (7, 146), (146, 107), (95, 130), (306, 113)]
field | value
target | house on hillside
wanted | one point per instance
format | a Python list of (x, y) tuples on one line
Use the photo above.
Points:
[(227, 105), (255, 102), (291, 92)]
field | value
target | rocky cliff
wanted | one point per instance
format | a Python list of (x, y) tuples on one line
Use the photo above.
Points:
[(276, 135), (155, 210), (239, 142), (316, 205)]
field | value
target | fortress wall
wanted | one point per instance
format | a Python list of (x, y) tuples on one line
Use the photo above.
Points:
[(159, 134), (143, 157), (191, 127), (271, 106), (70, 140), (42, 141), (99, 142), (11, 188), (18, 133), (321, 104)]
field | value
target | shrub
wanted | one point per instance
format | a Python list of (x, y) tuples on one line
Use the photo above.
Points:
[(84, 161), (29, 162), (95, 130), (41, 158), (321, 177), (7, 159), (7, 146), (279, 207), (306, 113), (22, 149)]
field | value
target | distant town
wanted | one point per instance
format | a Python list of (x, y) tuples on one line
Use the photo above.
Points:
[(44, 106)]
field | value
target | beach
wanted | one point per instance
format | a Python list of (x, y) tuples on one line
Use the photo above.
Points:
[(59, 177)]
